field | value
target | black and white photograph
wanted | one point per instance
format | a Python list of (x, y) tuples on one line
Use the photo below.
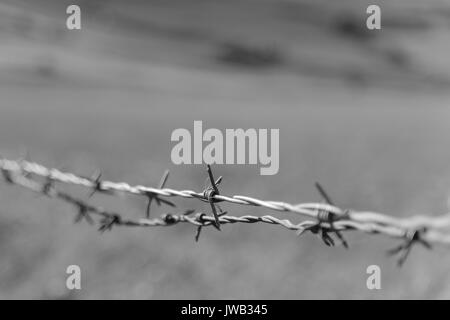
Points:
[(236, 151)]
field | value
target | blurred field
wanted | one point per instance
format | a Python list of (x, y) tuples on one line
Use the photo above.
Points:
[(366, 115)]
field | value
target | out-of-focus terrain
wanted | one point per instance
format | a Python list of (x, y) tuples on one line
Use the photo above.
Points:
[(364, 112)]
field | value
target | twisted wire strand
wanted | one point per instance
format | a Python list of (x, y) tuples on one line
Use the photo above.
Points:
[(423, 229), (310, 210)]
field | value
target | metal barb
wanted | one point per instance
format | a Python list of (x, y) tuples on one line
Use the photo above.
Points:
[(83, 213), (158, 200), (97, 184), (200, 219), (108, 221), (421, 229), (330, 218), (324, 194), (48, 184), (209, 194), (404, 249)]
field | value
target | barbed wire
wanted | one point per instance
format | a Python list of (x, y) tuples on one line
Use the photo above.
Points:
[(323, 219)]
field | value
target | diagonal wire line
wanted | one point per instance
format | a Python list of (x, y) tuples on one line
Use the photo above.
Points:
[(326, 217), (306, 209)]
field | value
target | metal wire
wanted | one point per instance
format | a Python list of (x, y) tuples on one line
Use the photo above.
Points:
[(323, 218)]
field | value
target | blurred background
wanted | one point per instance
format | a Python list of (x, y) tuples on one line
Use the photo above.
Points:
[(364, 112)]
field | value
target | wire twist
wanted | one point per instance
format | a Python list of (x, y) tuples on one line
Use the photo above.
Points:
[(323, 218)]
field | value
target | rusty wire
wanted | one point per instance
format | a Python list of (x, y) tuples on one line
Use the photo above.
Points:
[(324, 219)]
